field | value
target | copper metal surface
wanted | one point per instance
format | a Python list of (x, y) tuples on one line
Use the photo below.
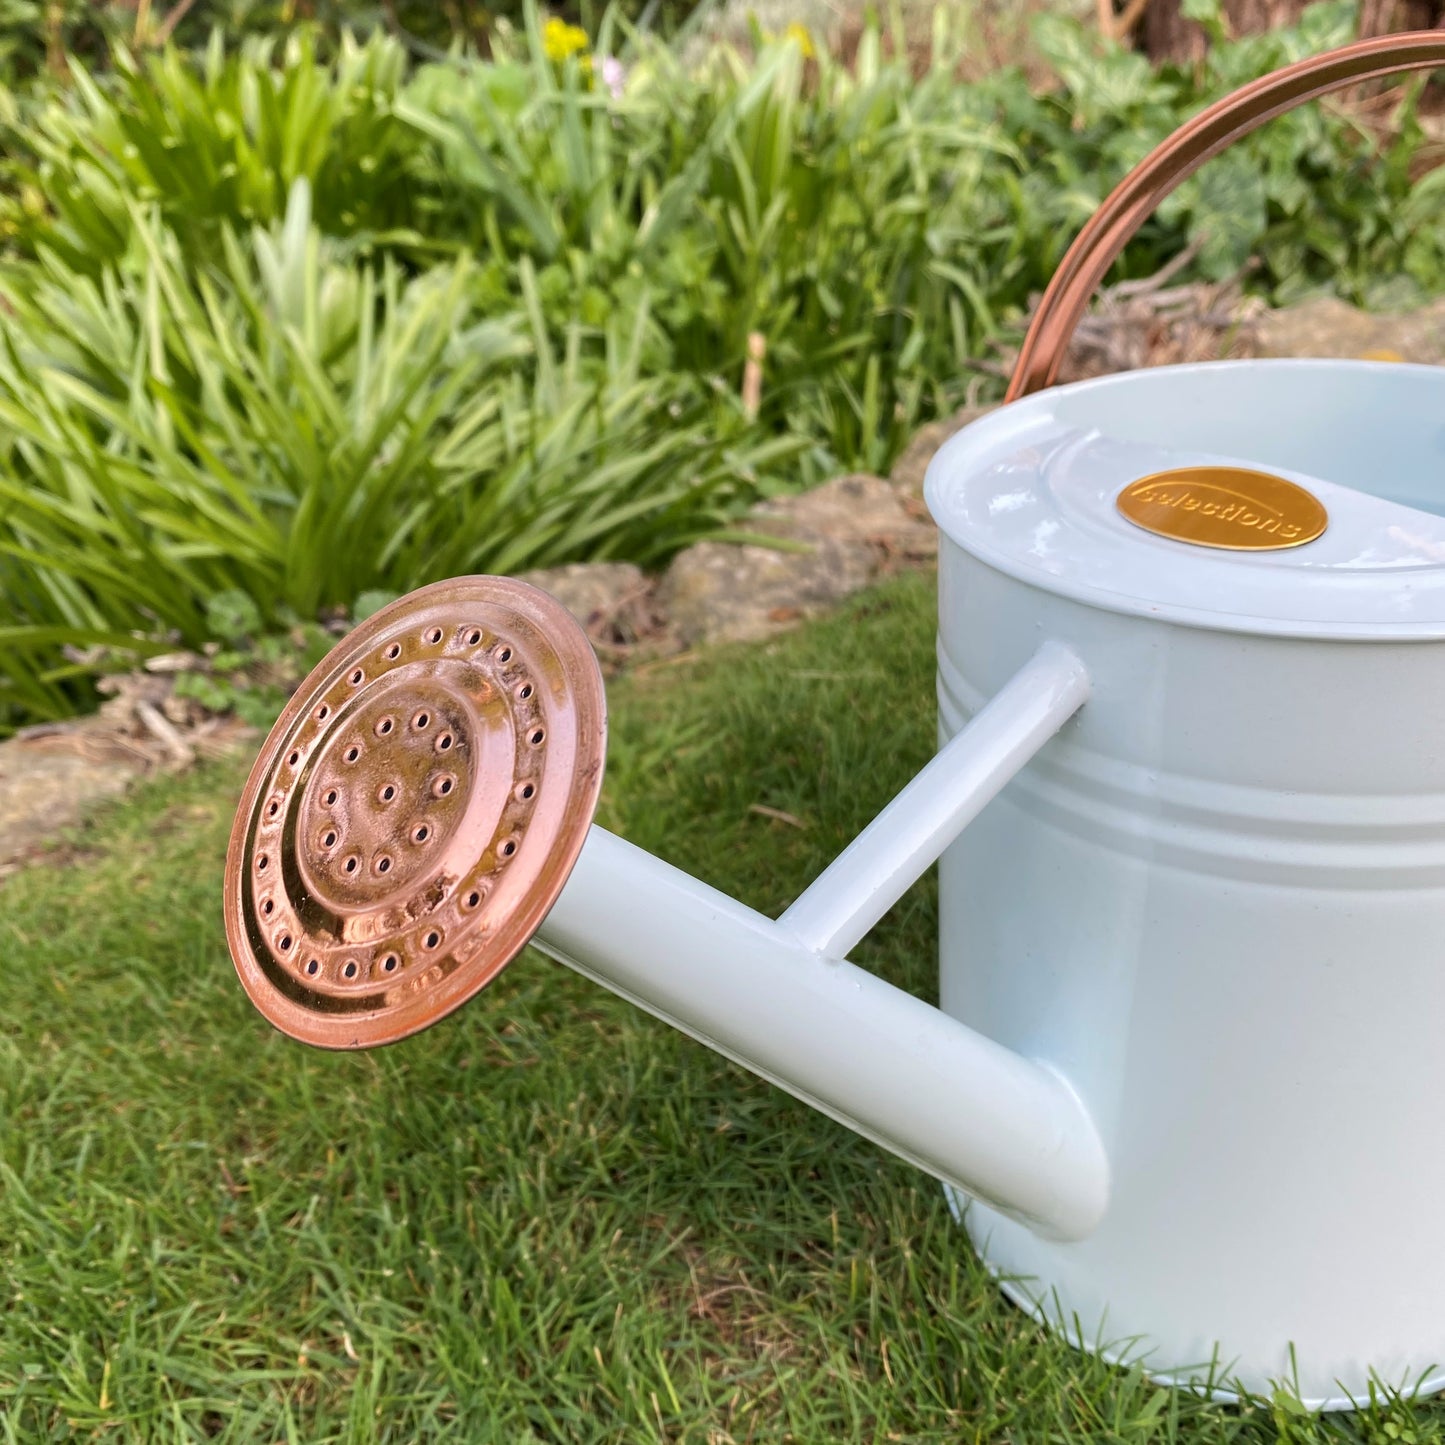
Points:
[(415, 812), (1236, 508), (1098, 245)]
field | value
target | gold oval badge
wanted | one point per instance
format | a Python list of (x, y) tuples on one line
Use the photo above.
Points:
[(1233, 507)]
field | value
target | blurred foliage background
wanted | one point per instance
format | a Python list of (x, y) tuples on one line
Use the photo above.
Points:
[(36, 34), (296, 313)]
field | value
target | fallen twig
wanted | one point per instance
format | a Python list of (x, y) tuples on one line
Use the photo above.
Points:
[(1170, 269), (752, 396), (778, 814), (164, 731)]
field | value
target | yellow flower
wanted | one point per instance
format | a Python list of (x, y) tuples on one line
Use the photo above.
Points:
[(559, 40), (798, 33)]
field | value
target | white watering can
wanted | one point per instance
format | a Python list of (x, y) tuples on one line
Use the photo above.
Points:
[(1190, 807)]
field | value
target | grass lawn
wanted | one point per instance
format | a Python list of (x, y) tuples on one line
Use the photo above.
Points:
[(549, 1218)]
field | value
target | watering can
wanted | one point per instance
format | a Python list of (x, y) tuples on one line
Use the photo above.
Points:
[(1189, 811)]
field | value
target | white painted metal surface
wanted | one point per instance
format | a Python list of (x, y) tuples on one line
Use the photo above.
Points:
[(891, 853), (879, 1060), (1216, 901), (1030, 491)]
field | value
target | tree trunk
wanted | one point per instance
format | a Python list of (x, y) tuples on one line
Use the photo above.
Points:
[(1168, 36), (1389, 17)]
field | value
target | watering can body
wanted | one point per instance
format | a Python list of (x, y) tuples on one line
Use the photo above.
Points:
[(1189, 811), (1216, 899)]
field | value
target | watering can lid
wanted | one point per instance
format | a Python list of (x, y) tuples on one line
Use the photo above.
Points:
[(1290, 497)]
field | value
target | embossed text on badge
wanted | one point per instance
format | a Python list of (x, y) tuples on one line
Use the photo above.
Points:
[(1231, 507)]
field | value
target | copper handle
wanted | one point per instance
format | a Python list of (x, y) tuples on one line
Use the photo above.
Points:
[(1113, 225)]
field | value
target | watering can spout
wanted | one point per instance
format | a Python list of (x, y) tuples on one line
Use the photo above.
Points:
[(474, 715), (781, 999), (894, 1069)]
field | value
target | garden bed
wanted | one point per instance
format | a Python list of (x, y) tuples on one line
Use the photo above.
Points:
[(305, 326)]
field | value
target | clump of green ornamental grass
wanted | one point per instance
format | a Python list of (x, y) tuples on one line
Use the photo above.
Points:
[(308, 324)]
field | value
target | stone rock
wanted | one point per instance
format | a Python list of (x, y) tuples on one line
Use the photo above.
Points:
[(856, 509), (55, 775), (1326, 326), (739, 592), (835, 540), (908, 470), (51, 782), (609, 599)]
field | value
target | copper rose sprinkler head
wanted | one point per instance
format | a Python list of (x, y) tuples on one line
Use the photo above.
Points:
[(414, 812)]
